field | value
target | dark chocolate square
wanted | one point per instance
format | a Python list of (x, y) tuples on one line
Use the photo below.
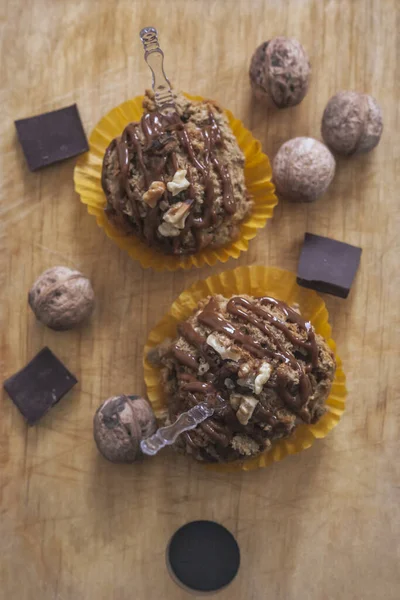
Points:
[(39, 385), (327, 265), (51, 137)]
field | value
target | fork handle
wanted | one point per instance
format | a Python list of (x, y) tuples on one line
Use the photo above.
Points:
[(154, 57)]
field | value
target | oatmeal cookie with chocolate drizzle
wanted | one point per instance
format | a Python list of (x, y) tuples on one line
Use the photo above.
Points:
[(258, 362), (177, 181)]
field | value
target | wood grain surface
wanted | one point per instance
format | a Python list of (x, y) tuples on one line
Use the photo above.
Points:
[(322, 525)]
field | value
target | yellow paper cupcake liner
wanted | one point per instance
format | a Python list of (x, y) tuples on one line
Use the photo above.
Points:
[(257, 171), (255, 281)]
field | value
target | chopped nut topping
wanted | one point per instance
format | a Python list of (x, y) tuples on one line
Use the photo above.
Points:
[(179, 182), (177, 214), (168, 230), (235, 400), (264, 373), (244, 405), (223, 346), (244, 370), (154, 193), (174, 219)]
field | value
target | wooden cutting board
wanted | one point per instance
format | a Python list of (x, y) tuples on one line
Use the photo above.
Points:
[(321, 525)]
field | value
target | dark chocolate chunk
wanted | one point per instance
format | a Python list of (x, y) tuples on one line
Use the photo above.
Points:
[(203, 556), (327, 265), (51, 137), (39, 385)]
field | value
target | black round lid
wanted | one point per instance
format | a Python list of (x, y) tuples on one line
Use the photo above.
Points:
[(203, 556)]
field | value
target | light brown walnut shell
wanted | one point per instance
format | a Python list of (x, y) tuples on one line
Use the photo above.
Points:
[(61, 298), (303, 169), (352, 123)]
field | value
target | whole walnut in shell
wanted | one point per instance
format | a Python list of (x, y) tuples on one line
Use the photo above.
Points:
[(303, 169), (120, 424), (352, 123), (280, 72), (61, 298)]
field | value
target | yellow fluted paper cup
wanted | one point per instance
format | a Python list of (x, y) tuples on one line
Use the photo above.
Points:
[(258, 175), (255, 281)]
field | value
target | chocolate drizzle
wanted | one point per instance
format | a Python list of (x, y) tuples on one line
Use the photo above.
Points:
[(158, 158), (185, 358)]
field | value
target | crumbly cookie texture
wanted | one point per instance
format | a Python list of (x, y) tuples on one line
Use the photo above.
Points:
[(257, 362), (177, 181)]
